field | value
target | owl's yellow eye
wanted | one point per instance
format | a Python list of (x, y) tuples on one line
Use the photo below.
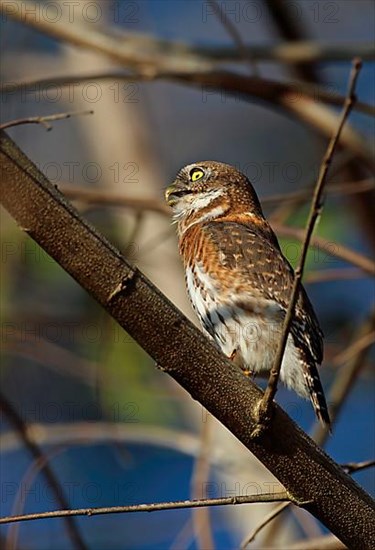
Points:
[(196, 174)]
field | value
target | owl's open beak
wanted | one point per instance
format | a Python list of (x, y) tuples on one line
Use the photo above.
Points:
[(173, 193), (170, 200)]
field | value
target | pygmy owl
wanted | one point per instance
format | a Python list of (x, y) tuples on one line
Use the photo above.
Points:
[(238, 280)]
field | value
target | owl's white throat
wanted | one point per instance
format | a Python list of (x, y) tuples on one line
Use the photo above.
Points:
[(190, 205)]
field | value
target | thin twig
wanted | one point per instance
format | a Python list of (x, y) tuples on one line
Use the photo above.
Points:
[(43, 120), (189, 69), (250, 86), (222, 501), (331, 248), (200, 477), (324, 542), (138, 203), (91, 433), (315, 211), (243, 51), (48, 354), (99, 196), (183, 537), (339, 274), (353, 467), (23, 491), (345, 379), (337, 395), (265, 521), (291, 30), (355, 347), (304, 195), (38, 455), (142, 49)]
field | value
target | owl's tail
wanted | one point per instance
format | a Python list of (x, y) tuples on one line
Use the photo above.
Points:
[(316, 394)]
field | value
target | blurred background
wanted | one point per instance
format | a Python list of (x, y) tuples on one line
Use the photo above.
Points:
[(113, 428)]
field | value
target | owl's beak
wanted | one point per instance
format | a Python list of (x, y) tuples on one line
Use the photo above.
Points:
[(170, 200), (173, 193)]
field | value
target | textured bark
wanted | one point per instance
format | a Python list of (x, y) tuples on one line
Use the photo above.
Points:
[(181, 350)]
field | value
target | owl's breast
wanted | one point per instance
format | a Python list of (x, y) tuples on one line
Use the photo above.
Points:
[(204, 292), (237, 326)]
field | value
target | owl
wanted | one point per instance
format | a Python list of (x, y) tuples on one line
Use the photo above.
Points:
[(238, 280)]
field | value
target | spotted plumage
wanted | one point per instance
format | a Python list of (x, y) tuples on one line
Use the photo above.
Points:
[(238, 280)]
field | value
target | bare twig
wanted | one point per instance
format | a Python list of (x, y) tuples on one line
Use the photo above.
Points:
[(48, 354), (189, 69), (291, 31), (315, 211), (325, 542), (288, 52), (38, 455), (43, 120), (143, 49), (353, 467), (138, 203), (99, 196), (355, 347), (183, 537), (20, 498), (265, 521), (244, 52), (154, 507), (343, 382), (250, 87), (339, 274), (201, 472), (332, 248), (90, 433), (345, 379), (304, 195)]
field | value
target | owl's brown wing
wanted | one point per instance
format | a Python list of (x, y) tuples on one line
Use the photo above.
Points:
[(252, 263)]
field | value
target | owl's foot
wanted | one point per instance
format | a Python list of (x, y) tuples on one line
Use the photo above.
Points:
[(236, 359), (263, 416), (249, 373), (232, 356)]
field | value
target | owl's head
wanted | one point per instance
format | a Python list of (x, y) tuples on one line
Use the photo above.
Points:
[(209, 189)]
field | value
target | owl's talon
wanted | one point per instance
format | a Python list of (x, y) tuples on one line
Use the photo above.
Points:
[(263, 420), (233, 355)]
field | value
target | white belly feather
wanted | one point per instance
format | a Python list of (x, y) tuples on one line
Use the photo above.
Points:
[(254, 337)]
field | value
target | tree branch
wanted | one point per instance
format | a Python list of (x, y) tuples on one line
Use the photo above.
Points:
[(248, 87), (315, 211), (143, 49), (330, 247), (244, 53), (338, 392), (139, 203), (43, 120), (16, 421), (345, 378), (325, 542), (353, 467), (154, 507), (143, 54)]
